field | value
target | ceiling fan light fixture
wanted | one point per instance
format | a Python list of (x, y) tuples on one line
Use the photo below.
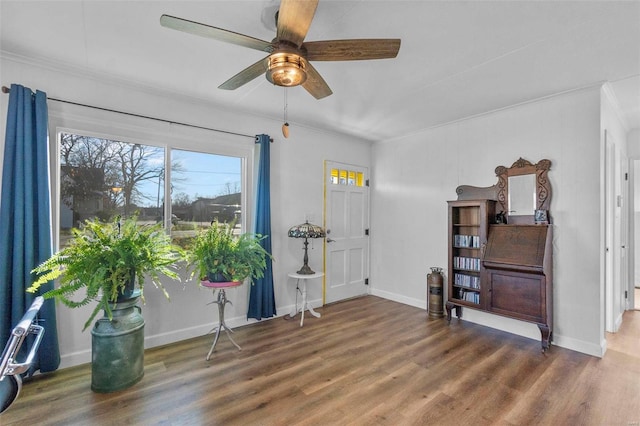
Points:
[(286, 69), (290, 57)]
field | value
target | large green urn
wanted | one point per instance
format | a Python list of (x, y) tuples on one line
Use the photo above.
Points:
[(117, 347)]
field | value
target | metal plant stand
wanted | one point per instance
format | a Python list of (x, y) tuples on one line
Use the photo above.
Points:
[(221, 301)]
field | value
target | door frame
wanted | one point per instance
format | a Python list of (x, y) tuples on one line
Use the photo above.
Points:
[(616, 196), (634, 174), (328, 165)]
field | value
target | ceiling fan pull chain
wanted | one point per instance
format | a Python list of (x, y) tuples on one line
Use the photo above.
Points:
[(285, 126)]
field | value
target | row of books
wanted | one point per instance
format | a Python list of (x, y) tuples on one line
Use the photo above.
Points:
[(466, 241), (470, 263), (470, 296), (466, 280)]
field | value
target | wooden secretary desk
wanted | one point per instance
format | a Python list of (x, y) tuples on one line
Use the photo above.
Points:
[(504, 268)]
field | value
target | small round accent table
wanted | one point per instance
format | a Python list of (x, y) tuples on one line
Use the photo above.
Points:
[(221, 301), (305, 304)]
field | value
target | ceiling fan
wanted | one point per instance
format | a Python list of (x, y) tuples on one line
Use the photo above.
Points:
[(288, 63)]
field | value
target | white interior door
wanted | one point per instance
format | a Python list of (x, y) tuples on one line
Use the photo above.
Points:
[(619, 252), (625, 246), (609, 227), (616, 275), (347, 223)]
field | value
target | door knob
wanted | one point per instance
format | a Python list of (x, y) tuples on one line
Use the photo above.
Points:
[(329, 240)]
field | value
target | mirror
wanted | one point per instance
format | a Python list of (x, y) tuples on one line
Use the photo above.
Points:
[(523, 192), (522, 189), (522, 195)]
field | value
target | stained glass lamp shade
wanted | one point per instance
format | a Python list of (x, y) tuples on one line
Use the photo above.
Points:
[(306, 230)]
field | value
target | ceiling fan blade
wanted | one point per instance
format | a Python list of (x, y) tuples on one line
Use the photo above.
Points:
[(294, 19), (215, 33), (246, 75), (315, 84), (352, 50)]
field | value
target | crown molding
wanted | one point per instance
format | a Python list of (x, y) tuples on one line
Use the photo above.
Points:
[(104, 78), (610, 95)]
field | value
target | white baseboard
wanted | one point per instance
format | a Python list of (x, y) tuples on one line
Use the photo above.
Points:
[(74, 359), (520, 328), (84, 357), (417, 303), (581, 345)]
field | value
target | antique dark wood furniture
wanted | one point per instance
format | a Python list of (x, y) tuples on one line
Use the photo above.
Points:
[(504, 268), (468, 230), (518, 274)]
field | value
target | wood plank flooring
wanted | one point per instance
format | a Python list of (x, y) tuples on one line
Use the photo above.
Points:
[(367, 361)]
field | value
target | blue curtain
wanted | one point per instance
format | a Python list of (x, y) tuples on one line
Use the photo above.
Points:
[(262, 303), (25, 240)]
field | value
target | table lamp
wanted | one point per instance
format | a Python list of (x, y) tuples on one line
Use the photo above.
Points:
[(306, 230)]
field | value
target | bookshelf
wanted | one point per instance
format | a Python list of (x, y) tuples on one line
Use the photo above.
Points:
[(504, 268), (468, 226), (498, 268)]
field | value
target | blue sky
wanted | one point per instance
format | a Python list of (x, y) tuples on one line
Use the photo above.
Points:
[(201, 175), (197, 174), (205, 175)]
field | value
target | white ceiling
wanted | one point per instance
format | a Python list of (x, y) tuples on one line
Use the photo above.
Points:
[(457, 59)]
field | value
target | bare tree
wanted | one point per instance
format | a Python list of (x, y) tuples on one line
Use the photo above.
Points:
[(181, 200), (108, 172), (230, 188), (135, 169)]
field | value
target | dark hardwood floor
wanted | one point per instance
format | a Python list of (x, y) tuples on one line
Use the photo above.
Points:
[(366, 361)]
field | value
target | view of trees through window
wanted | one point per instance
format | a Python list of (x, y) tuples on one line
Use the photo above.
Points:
[(103, 178), (204, 188)]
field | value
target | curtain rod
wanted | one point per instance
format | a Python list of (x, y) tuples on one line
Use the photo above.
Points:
[(5, 89)]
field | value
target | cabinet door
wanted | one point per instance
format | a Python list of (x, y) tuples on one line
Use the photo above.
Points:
[(517, 295)]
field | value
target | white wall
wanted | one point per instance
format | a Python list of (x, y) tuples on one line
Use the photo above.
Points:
[(633, 143), (296, 191), (413, 177)]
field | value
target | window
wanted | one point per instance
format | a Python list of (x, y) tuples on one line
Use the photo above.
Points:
[(204, 188), (347, 177), (103, 178)]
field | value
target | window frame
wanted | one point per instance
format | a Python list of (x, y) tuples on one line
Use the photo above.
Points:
[(87, 121)]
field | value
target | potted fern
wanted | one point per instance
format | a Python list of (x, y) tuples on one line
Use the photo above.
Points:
[(217, 254), (110, 261)]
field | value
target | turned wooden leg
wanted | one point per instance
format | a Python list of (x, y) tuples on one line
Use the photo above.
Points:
[(449, 306), (545, 333)]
